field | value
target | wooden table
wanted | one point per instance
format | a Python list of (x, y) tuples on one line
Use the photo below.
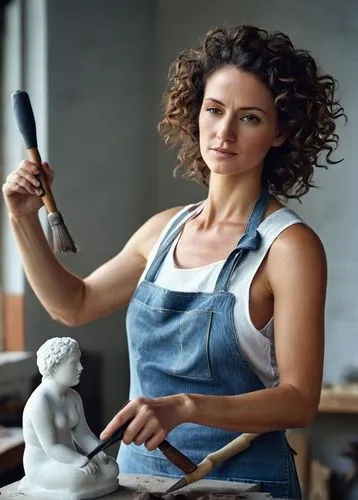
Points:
[(130, 484), (336, 400)]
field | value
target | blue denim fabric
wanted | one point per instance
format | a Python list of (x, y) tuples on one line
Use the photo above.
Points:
[(181, 342)]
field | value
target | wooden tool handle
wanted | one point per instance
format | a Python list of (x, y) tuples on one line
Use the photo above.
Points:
[(176, 457), (239, 444), (26, 124), (209, 463)]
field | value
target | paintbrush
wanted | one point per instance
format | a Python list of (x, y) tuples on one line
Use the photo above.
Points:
[(212, 460), (25, 119)]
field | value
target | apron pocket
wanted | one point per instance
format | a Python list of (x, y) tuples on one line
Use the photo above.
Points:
[(178, 341)]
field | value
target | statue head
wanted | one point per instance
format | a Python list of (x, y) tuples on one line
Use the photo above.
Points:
[(55, 353)]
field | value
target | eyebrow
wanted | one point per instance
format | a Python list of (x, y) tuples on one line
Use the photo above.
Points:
[(245, 108)]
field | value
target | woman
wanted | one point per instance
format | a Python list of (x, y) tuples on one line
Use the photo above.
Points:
[(57, 437), (226, 297)]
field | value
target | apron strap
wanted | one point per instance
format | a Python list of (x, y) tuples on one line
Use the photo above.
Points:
[(249, 241)]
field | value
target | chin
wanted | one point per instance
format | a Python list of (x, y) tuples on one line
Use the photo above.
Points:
[(228, 165), (225, 170)]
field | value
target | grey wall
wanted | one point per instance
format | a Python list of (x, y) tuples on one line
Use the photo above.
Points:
[(330, 30)]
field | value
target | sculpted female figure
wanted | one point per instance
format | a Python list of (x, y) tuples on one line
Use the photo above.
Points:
[(57, 437)]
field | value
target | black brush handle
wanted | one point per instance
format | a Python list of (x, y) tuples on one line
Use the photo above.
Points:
[(106, 443), (24, 118), (27, 126)]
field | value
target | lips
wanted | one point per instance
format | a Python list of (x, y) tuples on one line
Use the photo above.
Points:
[(224, 151)]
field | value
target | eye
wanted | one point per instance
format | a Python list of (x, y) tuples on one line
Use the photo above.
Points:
[(213, 110), (251, 119)]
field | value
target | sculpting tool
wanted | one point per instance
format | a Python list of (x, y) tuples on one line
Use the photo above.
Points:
[(25, 119), (212, 460), (172, 454)]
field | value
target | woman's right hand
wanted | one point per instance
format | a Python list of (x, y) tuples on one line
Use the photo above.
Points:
[(22, 191)]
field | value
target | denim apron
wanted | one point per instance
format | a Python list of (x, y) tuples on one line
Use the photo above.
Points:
[(183, 342)]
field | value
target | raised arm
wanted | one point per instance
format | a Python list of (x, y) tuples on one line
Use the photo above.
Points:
[(67, 297)]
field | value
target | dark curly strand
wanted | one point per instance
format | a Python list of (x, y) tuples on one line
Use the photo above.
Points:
[(305, 100)]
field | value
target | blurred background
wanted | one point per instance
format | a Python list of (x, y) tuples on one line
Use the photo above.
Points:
[(96, 71)]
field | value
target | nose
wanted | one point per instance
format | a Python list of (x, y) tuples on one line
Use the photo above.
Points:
[(80, 367), (226, 131)]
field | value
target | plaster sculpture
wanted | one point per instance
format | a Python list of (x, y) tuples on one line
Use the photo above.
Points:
[(56, 434)]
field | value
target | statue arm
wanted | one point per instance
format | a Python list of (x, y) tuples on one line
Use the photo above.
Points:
[(82, 434), (41, 416)]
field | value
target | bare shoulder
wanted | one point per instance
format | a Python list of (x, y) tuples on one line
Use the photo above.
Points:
[(37, 403), (147, 235), (299, 240), (298, 251)]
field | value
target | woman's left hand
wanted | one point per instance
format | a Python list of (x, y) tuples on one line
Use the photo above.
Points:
[(151, 419)]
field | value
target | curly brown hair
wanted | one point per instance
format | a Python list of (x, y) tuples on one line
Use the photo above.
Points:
[(305, 100)]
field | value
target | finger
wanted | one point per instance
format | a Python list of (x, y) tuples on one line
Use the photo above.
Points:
[(135, 428), (9, 188), (24, 173), (116, 422), (142, 437), (154, 441), (29, 180), (50, 173), (126, 413), (86, 470), (24, 178), (90, 468), (147, 434), (29, 166)]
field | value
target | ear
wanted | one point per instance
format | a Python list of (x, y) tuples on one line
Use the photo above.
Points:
[(279, 139)]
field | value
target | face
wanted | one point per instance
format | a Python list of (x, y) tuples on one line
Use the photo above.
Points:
[(237, 122), (69, 370)]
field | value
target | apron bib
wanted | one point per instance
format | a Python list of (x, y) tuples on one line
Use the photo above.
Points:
[(183, 342)]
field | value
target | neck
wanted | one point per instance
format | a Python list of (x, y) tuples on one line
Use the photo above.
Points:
[(231, 199), (57, 390)]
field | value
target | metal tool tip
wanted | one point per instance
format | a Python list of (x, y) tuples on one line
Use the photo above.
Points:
[(179, 484)]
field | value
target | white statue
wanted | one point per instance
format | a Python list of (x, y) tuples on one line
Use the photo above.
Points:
[(57, 437)]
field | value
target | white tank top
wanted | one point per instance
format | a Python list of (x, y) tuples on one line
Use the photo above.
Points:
[(256, 345)]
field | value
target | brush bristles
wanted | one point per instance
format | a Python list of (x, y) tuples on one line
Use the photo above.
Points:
[(62, 240)]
